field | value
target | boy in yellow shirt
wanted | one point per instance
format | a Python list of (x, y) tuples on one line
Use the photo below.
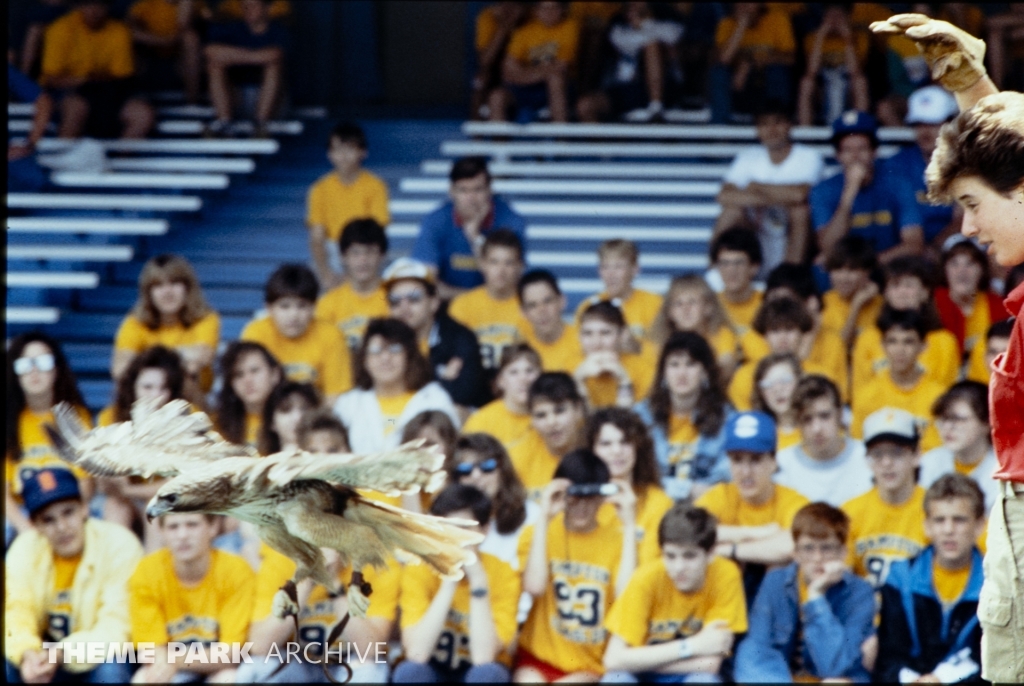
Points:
[(459, 630), (680, 613), (904, 384), (754, 514), (166, 39), (342, 195), (736, 254), (607, 376), (887, 522), (576, 559), (618, 266), (189, 592), (542, 302), (492, 311), (309, 350), (362, 297), (854, 301), (557, 415)]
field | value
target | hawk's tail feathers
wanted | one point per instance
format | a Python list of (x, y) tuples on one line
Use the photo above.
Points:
[(438, 541)]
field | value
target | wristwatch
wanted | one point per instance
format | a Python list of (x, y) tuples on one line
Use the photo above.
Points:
[(478, 592), (685, 649)]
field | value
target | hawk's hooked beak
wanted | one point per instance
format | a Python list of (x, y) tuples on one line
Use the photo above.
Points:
[(157, 507)]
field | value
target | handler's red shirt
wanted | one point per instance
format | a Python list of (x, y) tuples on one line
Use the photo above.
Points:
[(1006, 397)]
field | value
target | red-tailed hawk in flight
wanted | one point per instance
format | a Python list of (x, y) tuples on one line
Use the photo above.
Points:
[(298, 501)]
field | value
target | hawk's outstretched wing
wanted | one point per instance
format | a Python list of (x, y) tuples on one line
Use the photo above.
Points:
[(157, 442), (409, 468)]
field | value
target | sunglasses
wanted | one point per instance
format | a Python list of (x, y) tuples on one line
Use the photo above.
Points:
[(466, 468), (393, 348), (411, 298), (24, 365)]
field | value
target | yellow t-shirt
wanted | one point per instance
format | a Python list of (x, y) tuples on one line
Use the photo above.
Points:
[(232, 9), (640, 310), (836, 310), (496, 323), (730, 509), (977, 370), (320, 356), (332, 204), (58, 608), (650, 508), (420, 584), (351, 311), (253, 424), (881, 533), (950, 584), (828, 357), (682, 444), (159, 17), (561, 356), (534, 43), (133, 335), (602, 390), (317, 617), (534, 463), (652, 610), (940, 358), (566, 625), (37, 453), (391, 408), (977, 323), (71, 49), (742, 314), (772, 32), (882, 392), (496, 419), (786, 438), (165, 610), (833, 49)]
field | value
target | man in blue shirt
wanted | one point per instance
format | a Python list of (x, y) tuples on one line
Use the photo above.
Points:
[(450, 237), (928, 109), (861, 201)]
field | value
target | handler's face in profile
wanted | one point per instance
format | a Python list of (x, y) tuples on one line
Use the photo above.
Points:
[(995, 219)]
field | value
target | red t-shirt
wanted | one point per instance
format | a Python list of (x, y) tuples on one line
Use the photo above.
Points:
[(1006, 397)]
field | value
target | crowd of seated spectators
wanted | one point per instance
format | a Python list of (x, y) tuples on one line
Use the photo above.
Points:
[(778, 470)]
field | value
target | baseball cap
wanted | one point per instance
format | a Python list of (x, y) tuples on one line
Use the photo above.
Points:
[(930, 105), (890, 423), (48, 486), (406, 268), (750, 432), (852, 121)]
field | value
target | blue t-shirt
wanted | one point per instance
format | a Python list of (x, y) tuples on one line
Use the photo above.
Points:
[(907, 167), (880, 211), (238, 34), (442, 244)]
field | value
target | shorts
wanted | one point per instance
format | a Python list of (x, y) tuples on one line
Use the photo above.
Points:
[(1001, 605), (528, 659)]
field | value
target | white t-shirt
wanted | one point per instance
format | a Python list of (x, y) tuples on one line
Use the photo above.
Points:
[(940, 461), (803, 165), (834, 481)]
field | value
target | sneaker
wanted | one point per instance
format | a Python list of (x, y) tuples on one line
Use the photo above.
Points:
[(218, 128), (645, 114)]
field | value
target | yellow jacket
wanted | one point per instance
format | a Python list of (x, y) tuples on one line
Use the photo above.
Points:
[(99, 594)]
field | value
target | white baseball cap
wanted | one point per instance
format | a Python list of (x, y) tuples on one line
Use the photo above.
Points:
[(931, 105), (890, 423), (406, 268)]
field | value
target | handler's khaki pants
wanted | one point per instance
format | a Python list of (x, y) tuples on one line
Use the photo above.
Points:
[(1001, 606)]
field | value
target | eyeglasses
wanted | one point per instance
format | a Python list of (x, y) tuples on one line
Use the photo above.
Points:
[(24, 365), (768, 384), (412, 298), (826, 549), (486, 467), (392, 348)]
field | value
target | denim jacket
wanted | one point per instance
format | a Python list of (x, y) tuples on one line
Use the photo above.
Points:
[(710, 464)]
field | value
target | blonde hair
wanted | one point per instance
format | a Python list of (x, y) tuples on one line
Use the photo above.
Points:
[(172, 268), (619, 247), (663, 326)]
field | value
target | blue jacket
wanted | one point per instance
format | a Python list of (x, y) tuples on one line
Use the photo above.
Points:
[(916, 631), (442, 244), (710, 464), (834, 627)]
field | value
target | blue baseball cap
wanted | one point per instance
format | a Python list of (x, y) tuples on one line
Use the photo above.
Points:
[(852, 121), (48, 486), (750, 432)]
